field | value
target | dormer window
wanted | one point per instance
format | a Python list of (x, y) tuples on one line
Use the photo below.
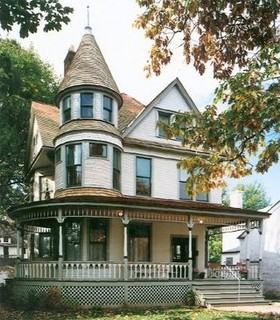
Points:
[(165, 118), (87, 105), (66, 109), (107, 108)]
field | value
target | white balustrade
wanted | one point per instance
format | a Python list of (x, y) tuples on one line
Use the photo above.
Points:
[(158, 271), (75, 270)]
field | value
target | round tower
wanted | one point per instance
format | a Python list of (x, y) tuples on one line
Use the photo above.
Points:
[(88, 145)]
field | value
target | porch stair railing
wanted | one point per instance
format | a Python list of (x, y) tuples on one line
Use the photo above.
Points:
[(235, 276)]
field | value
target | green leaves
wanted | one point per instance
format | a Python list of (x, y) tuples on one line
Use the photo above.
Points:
[(249, 126), (23, 77), (29, 14)]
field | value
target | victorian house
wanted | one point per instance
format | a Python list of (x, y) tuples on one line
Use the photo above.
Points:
[(108, 221)]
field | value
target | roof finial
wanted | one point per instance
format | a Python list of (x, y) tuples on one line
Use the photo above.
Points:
[(88, 29), (88, 24)]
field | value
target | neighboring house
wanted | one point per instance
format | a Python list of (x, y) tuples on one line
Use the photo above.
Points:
[(265, 252), (108, 219), (8, 247), (271, 251)]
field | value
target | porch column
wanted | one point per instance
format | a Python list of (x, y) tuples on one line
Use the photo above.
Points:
[(22, 243), (248, 224), (190, 262), (260, 229), (125, 221), (18, 250), (18, 241), (60, 221)]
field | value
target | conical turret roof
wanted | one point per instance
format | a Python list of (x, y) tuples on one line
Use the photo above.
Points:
[(88, 67)]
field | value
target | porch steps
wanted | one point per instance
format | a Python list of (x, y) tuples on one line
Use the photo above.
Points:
[(226, 292)]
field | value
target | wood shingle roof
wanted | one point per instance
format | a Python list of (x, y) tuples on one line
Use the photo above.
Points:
[(48, 121), (89, 67)]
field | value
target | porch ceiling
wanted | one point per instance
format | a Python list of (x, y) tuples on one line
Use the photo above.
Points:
[(136, 208)]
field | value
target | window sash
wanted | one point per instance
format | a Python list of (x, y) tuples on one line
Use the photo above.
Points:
[(143, 176), (116, 169), (66, 109), (86, 103), (163, 117), (98, 150), (107, 108), (74, 165)]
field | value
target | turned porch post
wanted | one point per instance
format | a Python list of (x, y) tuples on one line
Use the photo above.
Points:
[(248, 224), (18, 250), (60, 221), (125, 221), (260, 229), (190, 262)]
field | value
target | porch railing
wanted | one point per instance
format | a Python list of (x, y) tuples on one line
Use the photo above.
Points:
[(71, 270)]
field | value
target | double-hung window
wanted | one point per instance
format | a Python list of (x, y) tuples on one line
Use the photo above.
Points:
[(143, 176), (86, 105), (107, 108), (164, 118), (183, 194), (183, 176), (116, 169), (73, 165), (66, 109)]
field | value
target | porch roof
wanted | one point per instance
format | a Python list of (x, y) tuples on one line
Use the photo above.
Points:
[(138, 208)]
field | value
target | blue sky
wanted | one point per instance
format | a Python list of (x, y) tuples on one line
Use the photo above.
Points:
[(126, 52)]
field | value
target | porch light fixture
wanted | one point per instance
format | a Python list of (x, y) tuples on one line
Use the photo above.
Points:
[(120, 213), (200, 221)]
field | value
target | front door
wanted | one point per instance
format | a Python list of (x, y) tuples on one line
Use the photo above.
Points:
[(180, 249)]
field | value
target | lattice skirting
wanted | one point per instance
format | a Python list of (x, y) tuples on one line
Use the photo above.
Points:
[(117, 294)]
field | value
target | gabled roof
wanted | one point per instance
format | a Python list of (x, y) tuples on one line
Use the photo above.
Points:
[(88, 67), (48, 121), (175, 83)]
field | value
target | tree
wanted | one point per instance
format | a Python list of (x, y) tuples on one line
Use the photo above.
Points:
[(23, 77), (28, 14), (226, 35), (254, 196)]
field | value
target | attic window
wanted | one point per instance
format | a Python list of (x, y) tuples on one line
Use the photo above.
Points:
[(87, 105), (164, 118), (66, 109)]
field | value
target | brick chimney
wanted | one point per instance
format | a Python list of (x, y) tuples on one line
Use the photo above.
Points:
[(69, 58)]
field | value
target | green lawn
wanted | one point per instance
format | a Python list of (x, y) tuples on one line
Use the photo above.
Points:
[(132, 314)]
